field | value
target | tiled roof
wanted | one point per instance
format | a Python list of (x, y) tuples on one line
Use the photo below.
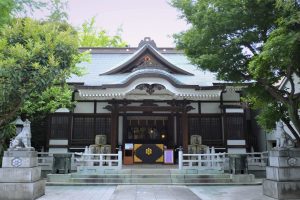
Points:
[(103, 62)]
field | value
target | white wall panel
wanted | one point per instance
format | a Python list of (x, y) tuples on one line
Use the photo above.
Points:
[(210, 108), (231, 95), (100, 107), (195, 106), (84, 107)]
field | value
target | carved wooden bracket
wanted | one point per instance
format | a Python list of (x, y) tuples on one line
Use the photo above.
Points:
[(150, 88)]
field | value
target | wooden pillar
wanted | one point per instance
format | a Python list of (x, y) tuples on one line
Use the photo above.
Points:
[(185, 132), (114, 127), (224, 132)]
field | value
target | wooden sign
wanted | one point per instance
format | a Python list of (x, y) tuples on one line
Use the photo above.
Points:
[(169, 156)]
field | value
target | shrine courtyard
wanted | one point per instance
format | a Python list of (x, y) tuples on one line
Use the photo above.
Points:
[(154, 192)]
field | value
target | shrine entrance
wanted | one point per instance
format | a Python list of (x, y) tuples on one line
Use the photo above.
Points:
[(148, 136), (147, 130)]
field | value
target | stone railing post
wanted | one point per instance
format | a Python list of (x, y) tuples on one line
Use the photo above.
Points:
[(180, 158), (120, 157)]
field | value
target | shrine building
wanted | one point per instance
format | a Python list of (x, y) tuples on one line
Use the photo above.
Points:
[(151, 95)]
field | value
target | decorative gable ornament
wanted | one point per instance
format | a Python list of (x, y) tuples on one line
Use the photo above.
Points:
[(150, 88)]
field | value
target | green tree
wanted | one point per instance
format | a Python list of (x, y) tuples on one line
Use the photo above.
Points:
[(33, 57), (40, 105), (90, 36), (249, 40), (58, 10), (10, 8), (6, 7)]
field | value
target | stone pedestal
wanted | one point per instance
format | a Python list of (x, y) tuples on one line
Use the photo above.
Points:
[(20, 177), (283, 174)]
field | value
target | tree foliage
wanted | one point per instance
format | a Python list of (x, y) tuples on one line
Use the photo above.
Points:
[(10, 8), (58, 10), (33, 57), (249, 40), (40, 105), (6, 6), (90, 36)]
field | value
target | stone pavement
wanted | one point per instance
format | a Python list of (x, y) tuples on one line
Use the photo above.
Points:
[(249, 192), (78, 193), (154, 192)]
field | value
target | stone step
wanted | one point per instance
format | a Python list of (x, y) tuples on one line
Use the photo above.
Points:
[(204, 180), (150, 180), (121, 176), (122, 180), (151, 171), (199, 176), (145, 177)]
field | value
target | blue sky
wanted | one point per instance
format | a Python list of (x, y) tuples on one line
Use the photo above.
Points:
[(138, 18)]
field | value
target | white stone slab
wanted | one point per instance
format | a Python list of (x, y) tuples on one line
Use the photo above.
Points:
[(19, 162), (284, 161), (58, 142), (283, 173), (285, 152), (242, 178), (236, 150), (22, 191), (20, 153), (58, 177), (236, 142), (59, 150), (281, 190), (20, 174)]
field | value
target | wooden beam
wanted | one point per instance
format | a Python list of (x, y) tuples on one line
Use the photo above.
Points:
[(114, 127), (185, 136), (150, 108)]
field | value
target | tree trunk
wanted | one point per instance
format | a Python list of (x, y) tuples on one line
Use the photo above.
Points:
[(294, 117)]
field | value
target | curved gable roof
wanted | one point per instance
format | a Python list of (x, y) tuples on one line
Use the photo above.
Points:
[(130, 63)]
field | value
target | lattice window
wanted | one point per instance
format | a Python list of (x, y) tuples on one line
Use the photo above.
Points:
[(194, 126), (103, 126), (234, 126), (59, 127), (209, 127), (83, 128)]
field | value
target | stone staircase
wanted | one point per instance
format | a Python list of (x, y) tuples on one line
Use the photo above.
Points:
[(144, 176)]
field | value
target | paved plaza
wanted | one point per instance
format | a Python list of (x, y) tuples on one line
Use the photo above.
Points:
[(154, 192)]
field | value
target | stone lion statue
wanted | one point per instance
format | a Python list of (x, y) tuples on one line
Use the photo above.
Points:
[(23, 139), (282, 138)]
